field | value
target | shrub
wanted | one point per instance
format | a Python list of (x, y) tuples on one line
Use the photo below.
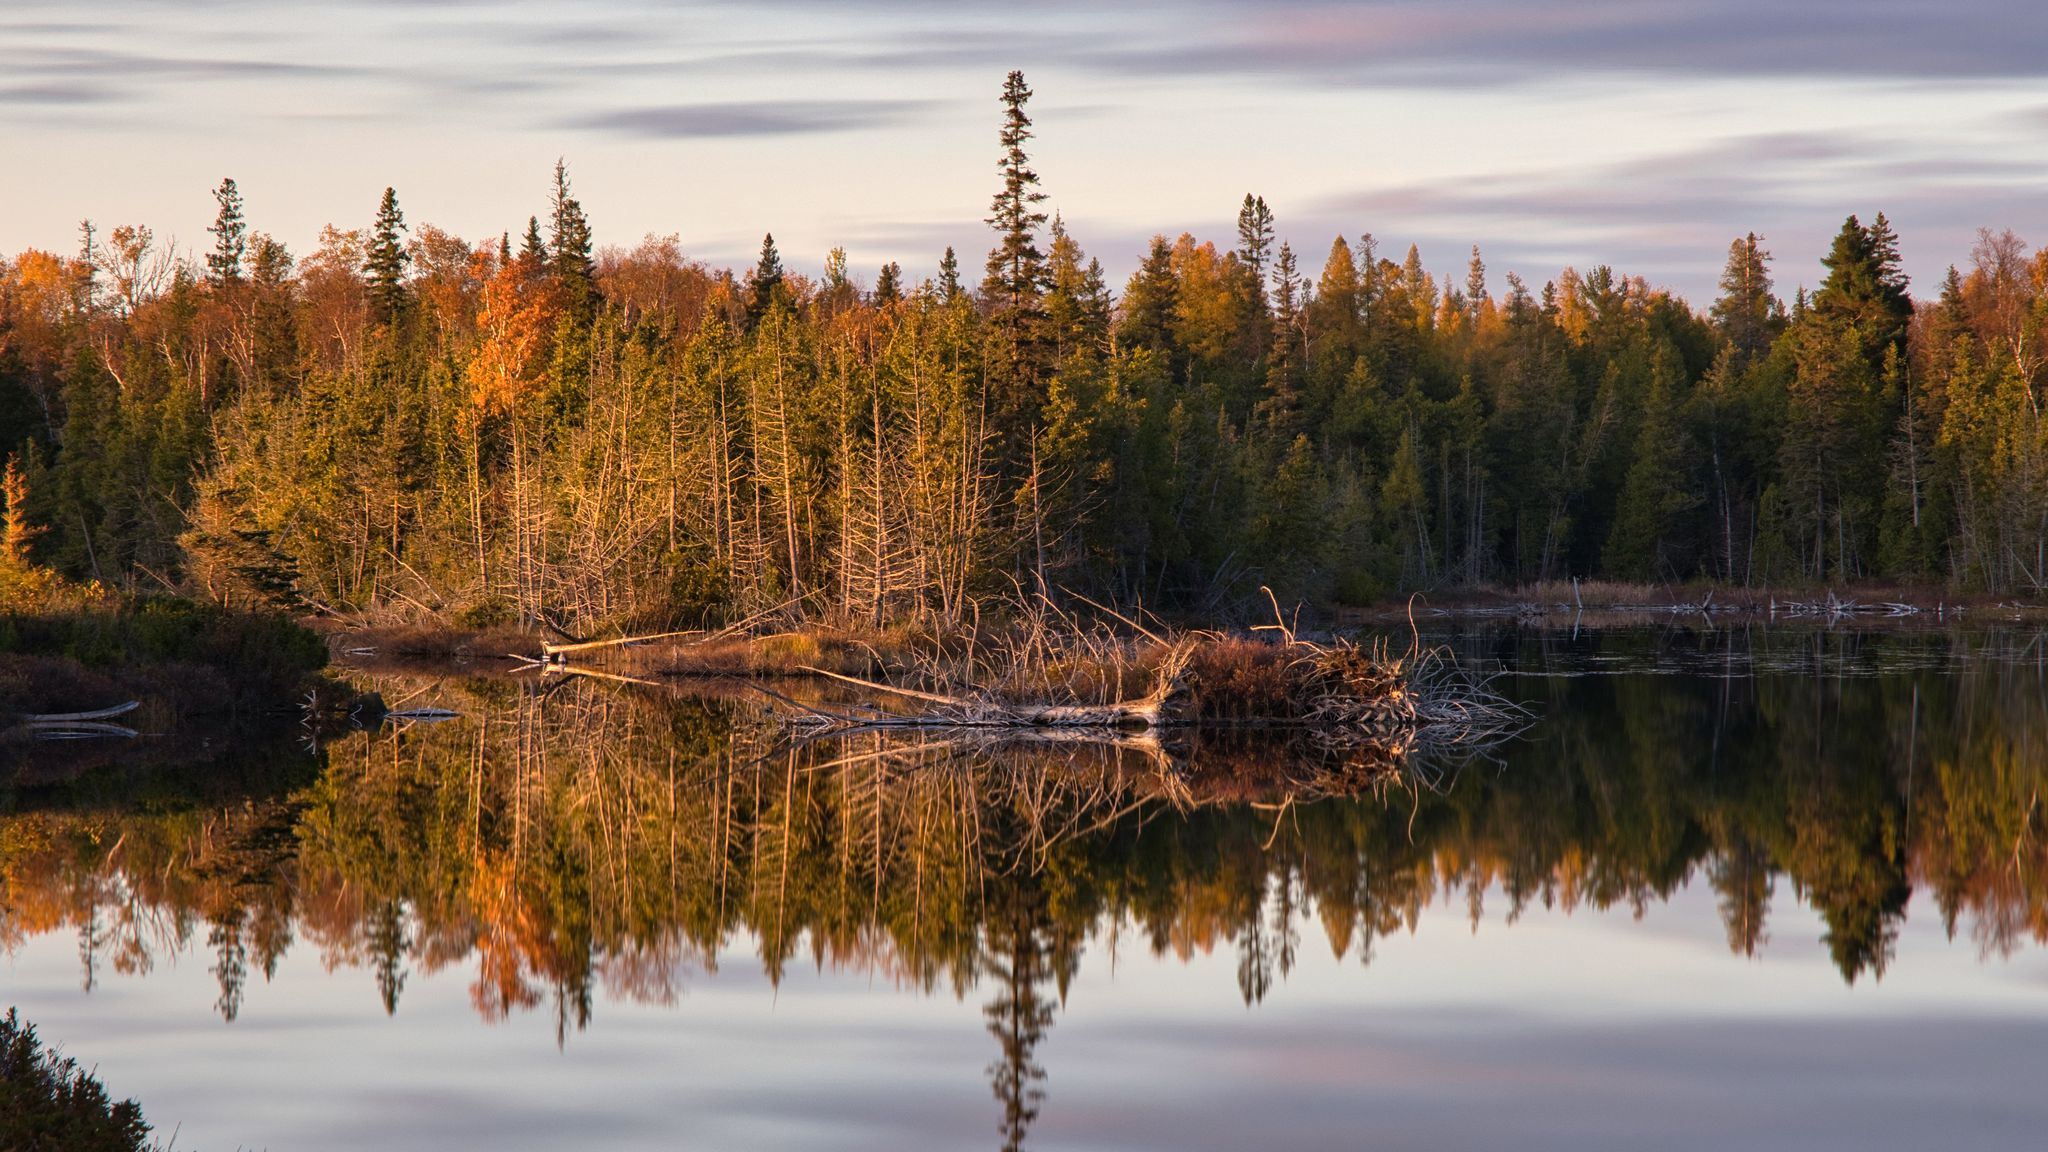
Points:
[(48, 1102)]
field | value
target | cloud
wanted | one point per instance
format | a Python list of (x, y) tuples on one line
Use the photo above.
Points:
[(74, 62), (1673, 214), (1433, 42), (754, 118), (59, 94)]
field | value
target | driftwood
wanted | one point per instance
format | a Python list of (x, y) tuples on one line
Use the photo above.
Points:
[(970, 711), (66, 718), (72, 725), (1342, 696)]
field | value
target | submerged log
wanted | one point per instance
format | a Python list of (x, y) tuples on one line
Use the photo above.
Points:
[(79, 717)]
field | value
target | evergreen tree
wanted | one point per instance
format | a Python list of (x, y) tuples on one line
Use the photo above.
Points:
[(1016, 268), (1146, 314), (533, 252), (574, 271), (764, 285), (1746, 313), (1255, 241), (1865, 289), (1016, 277), (949, 276), (386, 259), (889, 284), (1651, 524), (230, 237)]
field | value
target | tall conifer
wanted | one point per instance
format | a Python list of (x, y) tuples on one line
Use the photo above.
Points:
[(386, 260), (230, 236)]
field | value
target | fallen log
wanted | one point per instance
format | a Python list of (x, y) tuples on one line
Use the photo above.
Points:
[(75, 717)]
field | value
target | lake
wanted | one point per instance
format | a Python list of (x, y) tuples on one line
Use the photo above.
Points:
[(1734, 886)]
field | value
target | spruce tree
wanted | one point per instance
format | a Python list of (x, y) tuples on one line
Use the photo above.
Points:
[(765, 283), (1016, 268), (1255, 240), (1147, 311), (889, 284), (1746, 313), (1658, 495), (573, 268), (1015, 282), (1475, 282), (386, 260), (230, 237), (533, 252), (949, 276), (1865, 288)]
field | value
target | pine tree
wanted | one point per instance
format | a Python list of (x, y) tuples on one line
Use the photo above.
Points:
[(889, 285), (533, 252), (386, 259), (1255, 240), (1746, 313), (1651, 521), (764, 284), (574, 271), (230, 237), (1146, 313), (1016, 268), (1475, 282), (1865, 289), (1016, 278), (949, 276)]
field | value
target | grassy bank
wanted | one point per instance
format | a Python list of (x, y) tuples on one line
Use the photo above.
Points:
[(178, 656)]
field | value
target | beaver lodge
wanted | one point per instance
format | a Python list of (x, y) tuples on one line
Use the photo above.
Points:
[(1051, 684)]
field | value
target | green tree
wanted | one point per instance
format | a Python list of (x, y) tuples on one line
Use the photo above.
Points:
[(1652, 525), (385, 260), (765, 288), (230, 237)]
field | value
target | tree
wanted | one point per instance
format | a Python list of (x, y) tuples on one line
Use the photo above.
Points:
[(533, 252), (386, 259), (949, 276), (1650, 523), (1746, 314), (570, 261), (16, 533), (1016, 277), (764, 285), (1255, 241), (230, 241), (889, 285), (1146, 314), (1864, 289), (1016, 268)]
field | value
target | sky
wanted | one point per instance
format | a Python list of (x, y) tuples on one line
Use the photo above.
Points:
[(1643, 134)]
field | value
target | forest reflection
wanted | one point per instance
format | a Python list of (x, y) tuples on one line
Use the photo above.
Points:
[(572, 840)]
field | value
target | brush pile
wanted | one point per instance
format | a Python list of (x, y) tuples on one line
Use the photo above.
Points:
[(1341, 696)]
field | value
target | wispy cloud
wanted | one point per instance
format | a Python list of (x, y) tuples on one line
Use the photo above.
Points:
[(753, 118), (59, 94)]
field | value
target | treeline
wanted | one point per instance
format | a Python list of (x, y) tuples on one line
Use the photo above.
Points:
[(536, 428)]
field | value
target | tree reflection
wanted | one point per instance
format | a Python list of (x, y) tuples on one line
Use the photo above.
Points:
[(582, 835)]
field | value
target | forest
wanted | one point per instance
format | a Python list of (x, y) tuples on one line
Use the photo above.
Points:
[(405, 425)]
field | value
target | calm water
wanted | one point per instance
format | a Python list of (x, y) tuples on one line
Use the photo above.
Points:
[(1735, 888)]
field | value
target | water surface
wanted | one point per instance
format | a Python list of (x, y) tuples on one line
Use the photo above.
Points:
[(1778, 888)]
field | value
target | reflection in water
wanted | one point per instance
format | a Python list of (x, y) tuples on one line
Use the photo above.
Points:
[(578, 841)]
